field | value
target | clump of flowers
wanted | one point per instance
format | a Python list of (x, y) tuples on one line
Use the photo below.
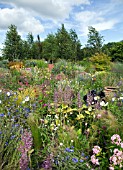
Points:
[(115, 161), (24, 148), (96, 151), (115, 139), (117, 158)]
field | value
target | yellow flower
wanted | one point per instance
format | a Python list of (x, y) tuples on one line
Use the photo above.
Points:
[(80, 116)]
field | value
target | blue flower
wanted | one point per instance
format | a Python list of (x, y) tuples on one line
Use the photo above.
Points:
[(6, 143), (15, 125), (1, 115), (83, 154), (67, 157), (28, 168), (9, 113), (27, 110), (72, 147), (12, 137), (75, 160), (69, 150), (81, 160)]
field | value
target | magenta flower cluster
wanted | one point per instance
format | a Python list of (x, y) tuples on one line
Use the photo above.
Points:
[(26, 145)]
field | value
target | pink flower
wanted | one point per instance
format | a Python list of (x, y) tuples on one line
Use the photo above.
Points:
[(121, 144), (116, 139), (94, 160), (96, 149), (117, 152), (111, 168), (99, 116)]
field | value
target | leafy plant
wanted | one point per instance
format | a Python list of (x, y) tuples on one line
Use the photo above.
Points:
[(101, 62)]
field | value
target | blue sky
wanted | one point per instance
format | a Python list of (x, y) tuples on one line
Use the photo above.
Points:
[(46, 16)]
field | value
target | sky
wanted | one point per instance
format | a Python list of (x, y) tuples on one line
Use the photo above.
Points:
[(46, 16)]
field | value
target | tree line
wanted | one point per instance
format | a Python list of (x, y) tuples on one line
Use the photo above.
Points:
[(62, 44)]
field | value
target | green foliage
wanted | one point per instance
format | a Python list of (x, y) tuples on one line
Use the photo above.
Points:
[(95, 40), (3, 63), (101, 62), (117, 68), (63, 44), (31, 48), (39, 63), (62, 66), (49, 50), (34, 126), (114, 49), (9, 139), (12, 45)]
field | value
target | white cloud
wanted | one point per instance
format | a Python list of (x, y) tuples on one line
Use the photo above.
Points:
[(52, 9), (106, 25), (43, 16), (97, 19), (21, 18)]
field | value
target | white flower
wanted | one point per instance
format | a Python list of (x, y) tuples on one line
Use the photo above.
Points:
[(113, 99), (8, 93), (96, 97), (56, 116), (27, 99), (55, 128), (102, 103), (0, 90), (90, 109), (121, 98), (61, 144), (86, 124), (0, 101)]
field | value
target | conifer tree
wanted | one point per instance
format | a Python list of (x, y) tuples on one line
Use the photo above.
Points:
[(13, 44)]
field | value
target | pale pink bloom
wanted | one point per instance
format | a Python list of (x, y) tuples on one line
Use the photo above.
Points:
[(96, 149), (121, 166), (116, 139), (113, 159), (99, 116), (121, 144), (94, 160), (111, 168)]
